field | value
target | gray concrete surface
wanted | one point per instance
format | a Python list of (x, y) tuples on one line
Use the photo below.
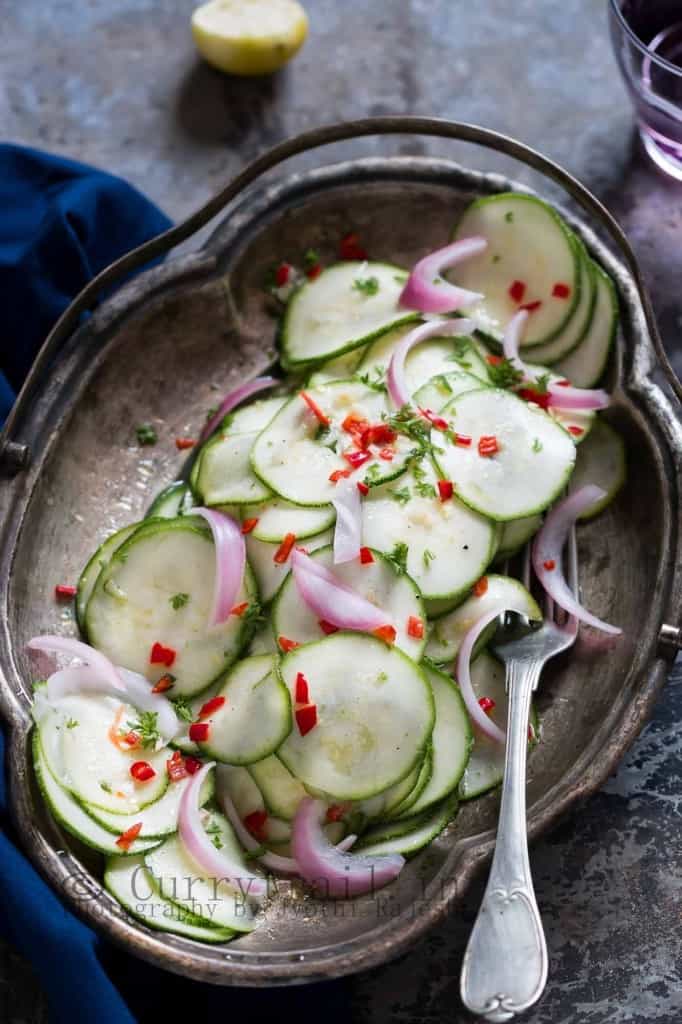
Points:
[(118, 85)]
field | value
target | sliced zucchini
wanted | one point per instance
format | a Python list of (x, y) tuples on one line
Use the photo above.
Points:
[(174, 500), (409, 835), (405, 805), (485, 767), (187, 709), (224, 475), (516, 533), (380, 582), (577, 327), (241, 788), (263, 641), (176, 878), (528, 242), (425, 361), (601, 461), (336, 369), (296, 460), (451, 742), (75, 741), (69, 813), (341, 310), (256, 715), (396, 794), (585, 365), (448, 546), (269, 573), (282, 791), (534, 460), (97, 562), (502, 592), (129, 882), (159, 819), (374, 715), (134, 605), (577, 423), (442, 388), (276, 518), (252, 418)]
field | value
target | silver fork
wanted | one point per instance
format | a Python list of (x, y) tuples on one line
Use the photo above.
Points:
[(505, 964)]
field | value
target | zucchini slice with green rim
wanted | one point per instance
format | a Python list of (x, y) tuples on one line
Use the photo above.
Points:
[(97, 562), (601, 460), (576, 329), (405, 805), (380, 582), (374, 715), (528, 242), (174, 500), (442, 388), (271, 574), (345, 307), (447, 633), (336, 369), (515, 534), (448, 546), (256, 715), (71, 815), (532, 466), (427, 360), (129, 882), (132, 606), (276, 518), (282, 792), (224, 475), (241, 788), (409, 835), (585, 366), (253, 417)]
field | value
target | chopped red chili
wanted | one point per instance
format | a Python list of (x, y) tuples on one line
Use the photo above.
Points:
[(130, 740), (487, 704), (126, 840), (142, 771), (286, 645), (541, 398), (445, 489), (561, 291), (315, 409), (182, 443), (335, 812), (357, 459), (380, 433), (350, 248), (517, 289), (284, 550), (362, 487), (302, 695), (549, 564), (339, 474), (480, 587), (576, 431), (214, 704), (488, 446), (462, 440), (563, 383), (530, 307), (249, 524), (313, 272), (354, 424), (161, 655), (192, 764), (366, 556), (164, 683), (328, 627), (239, 609), (386, 454), (282, 274), (62, 590), (176, 767), (493, 360), (306, 718), (415, 627), (436, 421), (198, 732), (255, 823), (386, 633)]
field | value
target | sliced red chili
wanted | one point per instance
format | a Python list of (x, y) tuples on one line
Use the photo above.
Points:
[(182, 443), (415, 627), (488, 445), (176, 768), (541, 398), (249, 524), (214, 704), (313, 272), (386, 633), (380, 433), (339, 474), (239, 609), (386, 454), (162, 655), (563, 383), (549, 564), (164, 683), (480, 587), (192, 764), (256, 822), (517, 289), (282, 274), (445, 489), (126, 840), (350, 248), (576, 431), (335, 812), (561, 291), (284, 550), (130, 740), (487, 704), (315, 409), (462, 440), (301, 694), (328, 627), (366, 556), (198, 732), (355, 425), (531, 307), (142, 771), (357, 459), (306, 718), (493, 360), (62, 590), (436, 421), (287, 645), (362, 487)]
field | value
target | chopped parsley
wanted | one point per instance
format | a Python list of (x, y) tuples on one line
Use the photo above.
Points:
[(376, 379), (322, 431), (496, 258), (146, 728), (537, 445), (461, 350), (373, 474), (366, 285), (255, 853), (183, 709), (146, 434), (541, 384), (311, 258), (509, 217), (402, 496), (398, 556), (178, 601), (333, 445), (443, 384), (382, 677), (213, 830), (400, 278), (407, 421), (254, 614), (423, 488), (217, 842), (427, 557), (504, 374), (105, 786), (71, 723)]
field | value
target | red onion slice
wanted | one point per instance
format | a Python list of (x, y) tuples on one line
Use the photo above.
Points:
[(581, 399), (235, 398), (331, 600), (348, 528), (395, 378), (513, 333), (547, 549), (426, 288), (202, 851), (230, 551), (273, 861), (338, 874), (99, 662), (463, 676)]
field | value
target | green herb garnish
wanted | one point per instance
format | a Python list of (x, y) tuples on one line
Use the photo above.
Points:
[(402, 496), (105, 786), (182, 709), (504, 374), (178, 601), (71, 723), (311, 258), (509, 217), (146, 728), (541, 384), (373, 474), (537, 445), (146, 434), (427, 557), (398, 556), (376, 382), (408, 422), (366, 285)]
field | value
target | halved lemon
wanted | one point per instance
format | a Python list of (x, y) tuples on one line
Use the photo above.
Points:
[(249, 37)]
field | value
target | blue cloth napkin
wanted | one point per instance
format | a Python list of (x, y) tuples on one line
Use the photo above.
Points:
[(60, 223)]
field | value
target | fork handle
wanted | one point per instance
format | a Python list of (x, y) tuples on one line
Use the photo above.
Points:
[(505, 964)]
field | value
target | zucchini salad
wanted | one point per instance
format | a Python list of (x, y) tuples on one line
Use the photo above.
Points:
[(283, 676)]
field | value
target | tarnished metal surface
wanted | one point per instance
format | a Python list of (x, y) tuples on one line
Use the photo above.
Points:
[(159, 352)]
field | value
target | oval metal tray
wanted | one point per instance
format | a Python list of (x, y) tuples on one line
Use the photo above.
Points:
[(162, 348)]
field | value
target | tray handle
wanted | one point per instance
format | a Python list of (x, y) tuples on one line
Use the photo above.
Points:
[(15, 456)]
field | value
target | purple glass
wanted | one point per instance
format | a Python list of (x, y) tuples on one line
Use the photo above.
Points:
[(647, 40)]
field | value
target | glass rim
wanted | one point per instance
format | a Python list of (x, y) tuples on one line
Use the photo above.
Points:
[(650, 54)]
